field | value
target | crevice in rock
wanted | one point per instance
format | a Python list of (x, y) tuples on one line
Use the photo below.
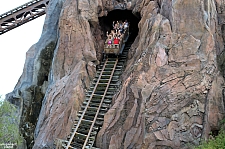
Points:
[(167, 51), (205, 118), (31, 115), (45, 59), (37, 92), (214, 132), (223, 32)]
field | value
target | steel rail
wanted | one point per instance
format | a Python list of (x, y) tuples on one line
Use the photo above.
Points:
[(84, 111), (91, 120), (22, 14), (96, 115)]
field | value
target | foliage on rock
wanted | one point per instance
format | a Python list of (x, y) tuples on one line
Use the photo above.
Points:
[(215, 142), (9, 131)]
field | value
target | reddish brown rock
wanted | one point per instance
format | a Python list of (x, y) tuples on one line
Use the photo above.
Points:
[(172, 64), (171, 92)]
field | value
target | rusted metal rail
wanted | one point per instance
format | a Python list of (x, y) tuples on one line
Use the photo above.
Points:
[(22, 15), (98, 99)]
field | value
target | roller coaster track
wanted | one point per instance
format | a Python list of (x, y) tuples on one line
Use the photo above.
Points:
[(98, 99), (22, 15)]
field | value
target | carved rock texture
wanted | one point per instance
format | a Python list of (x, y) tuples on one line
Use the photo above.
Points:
[(73, 67), (172, 91)]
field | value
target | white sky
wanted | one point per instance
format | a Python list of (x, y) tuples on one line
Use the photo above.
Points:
[(14, 45)]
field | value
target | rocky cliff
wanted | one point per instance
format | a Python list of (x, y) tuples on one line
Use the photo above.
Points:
[(172, 88)]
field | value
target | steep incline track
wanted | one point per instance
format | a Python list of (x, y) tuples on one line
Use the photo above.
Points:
[(22, 14), (99, 97)]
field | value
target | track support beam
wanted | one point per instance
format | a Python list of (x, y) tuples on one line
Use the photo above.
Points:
[(22, 15)]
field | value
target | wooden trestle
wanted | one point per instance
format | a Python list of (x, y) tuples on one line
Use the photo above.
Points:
[(97, 102)]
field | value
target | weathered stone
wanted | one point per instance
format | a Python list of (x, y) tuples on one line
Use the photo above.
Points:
[(196, 130), (171, 84), (174, 76), (129, 137), (192, 80), (158, 135), (216, 104), (147, 90), (172, 128), (185, 47), (161, 58)]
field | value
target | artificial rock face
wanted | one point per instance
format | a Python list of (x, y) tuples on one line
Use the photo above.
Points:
[(171, 93)]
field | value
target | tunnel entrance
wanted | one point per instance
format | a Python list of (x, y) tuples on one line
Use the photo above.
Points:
[(117, 15)]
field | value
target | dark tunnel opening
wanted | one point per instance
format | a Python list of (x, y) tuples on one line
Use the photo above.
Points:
[(117, 15), (106, 24)]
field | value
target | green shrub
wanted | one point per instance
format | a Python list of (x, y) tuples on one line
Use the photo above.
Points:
[(9, 128), (217, 142)]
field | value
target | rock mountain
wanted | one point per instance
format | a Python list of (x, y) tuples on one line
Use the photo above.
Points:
[(172, 92)]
